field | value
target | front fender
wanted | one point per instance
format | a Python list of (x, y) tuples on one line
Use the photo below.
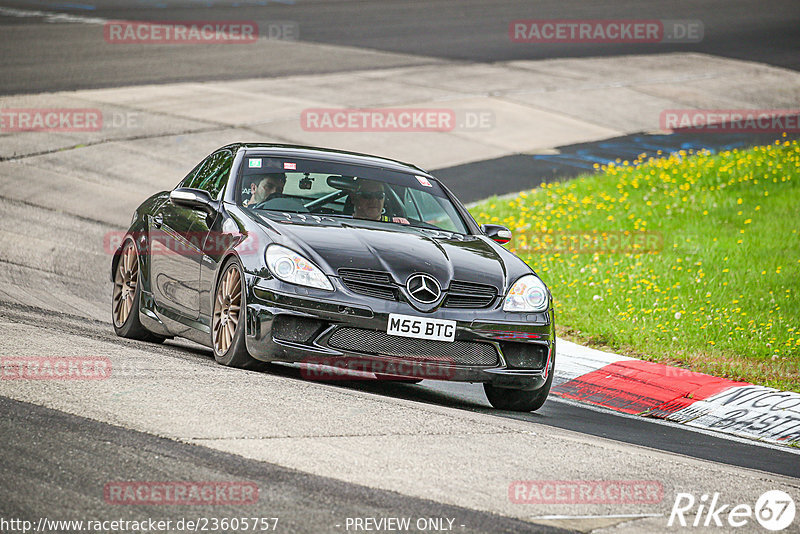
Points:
[(138, 232)]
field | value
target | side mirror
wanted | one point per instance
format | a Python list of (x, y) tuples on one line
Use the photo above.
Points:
[(196, 199), (497, 233)]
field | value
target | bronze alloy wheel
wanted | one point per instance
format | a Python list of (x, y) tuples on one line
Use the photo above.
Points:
[(125, 280), (227, 307)]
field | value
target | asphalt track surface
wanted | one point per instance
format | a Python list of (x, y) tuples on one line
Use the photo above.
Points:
[(37, 55), (55, 464), (556, 412), (71, 486)]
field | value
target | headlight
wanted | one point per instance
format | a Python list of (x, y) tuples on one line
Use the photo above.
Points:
[(528, 294), (289, 266)]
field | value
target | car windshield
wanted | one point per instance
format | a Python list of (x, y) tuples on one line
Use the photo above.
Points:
[(341, 190)]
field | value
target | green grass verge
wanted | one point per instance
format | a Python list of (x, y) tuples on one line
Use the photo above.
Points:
[(690, 260)]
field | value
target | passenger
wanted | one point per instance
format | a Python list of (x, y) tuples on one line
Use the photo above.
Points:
[(368, 201)]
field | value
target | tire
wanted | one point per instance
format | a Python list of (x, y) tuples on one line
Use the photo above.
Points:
[(521, 400), (230, 308), (125, 297)]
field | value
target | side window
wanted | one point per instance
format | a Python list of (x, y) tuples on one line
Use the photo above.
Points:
[(434, 211), (212, 174), (410, 206), (186, 182)]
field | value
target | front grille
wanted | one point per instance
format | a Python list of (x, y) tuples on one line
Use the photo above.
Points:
[(469, 295), (295, 328), (525, 355), (371, 283), (374, 342)]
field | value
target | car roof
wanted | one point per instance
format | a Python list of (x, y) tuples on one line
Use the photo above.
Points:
[(326, 154)]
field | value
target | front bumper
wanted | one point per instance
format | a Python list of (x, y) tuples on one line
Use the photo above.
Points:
[(287, 323)]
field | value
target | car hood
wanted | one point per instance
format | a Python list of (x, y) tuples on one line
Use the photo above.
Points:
[(335, 243)]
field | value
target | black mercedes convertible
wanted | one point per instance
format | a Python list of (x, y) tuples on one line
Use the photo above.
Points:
[(340, 262)]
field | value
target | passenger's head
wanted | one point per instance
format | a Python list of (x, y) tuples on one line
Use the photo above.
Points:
[(269, 184), (368, 200)]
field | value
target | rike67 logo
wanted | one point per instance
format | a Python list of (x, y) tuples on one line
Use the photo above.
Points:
[(774, 510)]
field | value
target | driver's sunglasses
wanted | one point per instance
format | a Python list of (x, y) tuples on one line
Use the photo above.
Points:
[(371, 195)]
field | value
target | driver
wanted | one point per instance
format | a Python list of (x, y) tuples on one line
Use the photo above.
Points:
[(268, 185)]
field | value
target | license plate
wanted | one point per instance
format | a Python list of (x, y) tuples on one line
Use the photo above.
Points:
[(421, 327)]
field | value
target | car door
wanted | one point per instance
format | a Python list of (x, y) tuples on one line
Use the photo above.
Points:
[(178, 234), (217, 237)]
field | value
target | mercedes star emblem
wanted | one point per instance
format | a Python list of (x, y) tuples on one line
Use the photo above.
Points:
[(423, 288)]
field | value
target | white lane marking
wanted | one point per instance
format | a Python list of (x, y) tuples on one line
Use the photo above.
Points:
[(655, 421), (610, 516), (49, 16)]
